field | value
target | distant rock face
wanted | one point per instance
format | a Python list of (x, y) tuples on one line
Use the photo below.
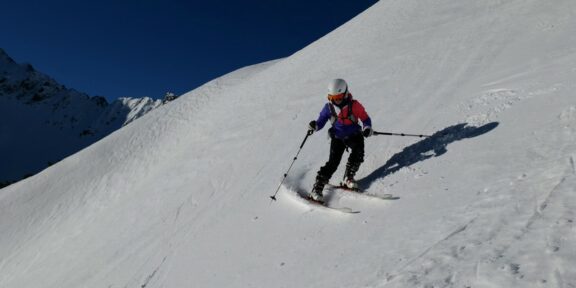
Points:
[(42, 121)]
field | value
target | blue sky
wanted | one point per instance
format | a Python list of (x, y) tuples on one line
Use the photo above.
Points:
[(149, 47)]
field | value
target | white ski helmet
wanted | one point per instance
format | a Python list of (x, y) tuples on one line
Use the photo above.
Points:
[(337, 87)]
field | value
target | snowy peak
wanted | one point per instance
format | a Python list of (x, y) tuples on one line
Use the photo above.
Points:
[(6, 62), (34, 109), (123, 111), (64, 108)]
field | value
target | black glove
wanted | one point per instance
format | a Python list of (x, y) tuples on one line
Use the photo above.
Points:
[(367, 131), (312, 127)]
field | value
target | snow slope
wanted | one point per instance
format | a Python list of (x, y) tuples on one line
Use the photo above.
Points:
[(180, 197)]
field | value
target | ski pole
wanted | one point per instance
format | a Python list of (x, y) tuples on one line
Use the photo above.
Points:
[(400, 134), (273, 197)]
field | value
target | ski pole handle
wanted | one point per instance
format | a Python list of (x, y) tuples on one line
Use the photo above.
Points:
[(308, 133)]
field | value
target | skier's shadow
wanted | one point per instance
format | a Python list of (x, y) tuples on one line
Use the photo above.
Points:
[(433, 146)]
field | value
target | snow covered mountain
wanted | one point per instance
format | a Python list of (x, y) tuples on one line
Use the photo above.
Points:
[(41, 121), (180, 198)]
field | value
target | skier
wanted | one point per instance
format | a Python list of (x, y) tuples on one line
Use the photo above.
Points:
[(345, 133)]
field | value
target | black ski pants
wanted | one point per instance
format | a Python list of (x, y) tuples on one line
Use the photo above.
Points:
[(337, 147)]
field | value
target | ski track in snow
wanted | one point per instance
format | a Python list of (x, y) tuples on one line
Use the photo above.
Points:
[(504, 245)]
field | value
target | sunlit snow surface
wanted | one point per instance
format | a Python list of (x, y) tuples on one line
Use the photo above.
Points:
[(180, 198)]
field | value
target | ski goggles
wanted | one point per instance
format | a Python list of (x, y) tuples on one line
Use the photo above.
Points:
[(337, 97)]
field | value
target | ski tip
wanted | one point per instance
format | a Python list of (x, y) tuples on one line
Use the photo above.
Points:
[(388, 197), (349, 211)]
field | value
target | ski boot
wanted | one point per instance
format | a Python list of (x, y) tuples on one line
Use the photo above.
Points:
[(349, 181), (316, 193)]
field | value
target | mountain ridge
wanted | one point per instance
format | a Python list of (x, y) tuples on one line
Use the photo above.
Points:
[(35, 104)]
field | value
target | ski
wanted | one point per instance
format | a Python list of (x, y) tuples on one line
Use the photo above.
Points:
[(303, 197), (327, 206), (364, 193)]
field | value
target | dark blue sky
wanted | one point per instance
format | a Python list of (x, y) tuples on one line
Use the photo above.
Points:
[(148, 47)]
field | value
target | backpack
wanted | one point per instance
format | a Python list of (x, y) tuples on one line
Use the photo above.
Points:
[(335, 116)]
